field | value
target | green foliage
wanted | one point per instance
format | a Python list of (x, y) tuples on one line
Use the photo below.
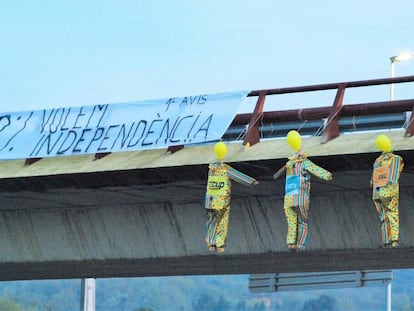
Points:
[(209, 302), (260, 306), (322, 303), (8, 305), (187, 293), (402, 303), (241, 305)]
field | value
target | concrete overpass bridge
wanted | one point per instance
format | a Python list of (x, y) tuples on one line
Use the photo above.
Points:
[(141, 213)]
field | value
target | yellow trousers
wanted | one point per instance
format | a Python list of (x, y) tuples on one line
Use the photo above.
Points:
[(217, 227), (386, 203), (296, 212)]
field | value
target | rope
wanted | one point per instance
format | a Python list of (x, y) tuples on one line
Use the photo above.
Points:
[(406, 124), (333, 117), (354, 127), (247, 129), (241, 135), (319, 130)]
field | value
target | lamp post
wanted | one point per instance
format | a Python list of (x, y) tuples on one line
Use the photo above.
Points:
[(397, 58), (88, 297)]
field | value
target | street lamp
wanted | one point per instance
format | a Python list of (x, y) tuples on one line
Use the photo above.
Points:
[(397, 58)]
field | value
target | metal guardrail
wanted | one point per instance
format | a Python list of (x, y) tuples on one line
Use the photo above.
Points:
[(252, 126), (277, 282), (331, 86), (315, 127)]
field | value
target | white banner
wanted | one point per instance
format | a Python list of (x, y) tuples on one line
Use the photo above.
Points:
[(117, 127)]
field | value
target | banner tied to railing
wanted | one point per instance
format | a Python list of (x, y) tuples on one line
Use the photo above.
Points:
[(139, 125)]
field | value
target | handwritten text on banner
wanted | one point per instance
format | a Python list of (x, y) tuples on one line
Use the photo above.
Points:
[(117, 127)]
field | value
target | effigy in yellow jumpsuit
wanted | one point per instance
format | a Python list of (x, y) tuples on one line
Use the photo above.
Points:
[(217, 199), (385, 191), (297, 192)]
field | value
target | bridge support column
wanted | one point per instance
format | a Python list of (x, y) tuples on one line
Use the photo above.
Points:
[(331, 130), (410, 128), (253, 133)]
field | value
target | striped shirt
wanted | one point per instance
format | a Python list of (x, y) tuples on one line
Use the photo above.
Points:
[(227, 174), (303, 167), (395, 164)]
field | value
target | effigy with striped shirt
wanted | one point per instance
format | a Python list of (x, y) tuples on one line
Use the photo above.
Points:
[(297, 196), (217, 202), (385, 195)]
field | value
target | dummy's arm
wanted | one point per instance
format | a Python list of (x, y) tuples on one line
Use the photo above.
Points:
[(397, 166), (240, 177), (317, 170), (376, 165), (280, 172)]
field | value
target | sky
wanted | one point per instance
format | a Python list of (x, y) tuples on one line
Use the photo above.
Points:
[(71, 53), (57, 53)]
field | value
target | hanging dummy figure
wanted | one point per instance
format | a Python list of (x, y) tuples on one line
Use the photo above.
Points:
[(297, 191), (217, 200), (385, 192)]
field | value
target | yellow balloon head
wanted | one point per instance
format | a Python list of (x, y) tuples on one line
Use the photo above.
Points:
[(220, 149), (294, 140), (383, 143)]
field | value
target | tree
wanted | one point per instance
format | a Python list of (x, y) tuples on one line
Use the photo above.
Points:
[(8, 305), (208, 302), (402, 303), (322, 303), (222, 304), (241, 306), (259, 306)]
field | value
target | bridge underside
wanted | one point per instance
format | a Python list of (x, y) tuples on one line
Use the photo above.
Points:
[(150, 222)]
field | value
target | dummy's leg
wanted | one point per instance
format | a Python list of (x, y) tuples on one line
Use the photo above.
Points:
[(393, 220), (385, 226), (292, 222), (217, 227), (303, 209), (211, 229)]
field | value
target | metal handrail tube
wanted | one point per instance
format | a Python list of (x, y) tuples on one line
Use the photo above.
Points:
[(331, 86), (375, 108)]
